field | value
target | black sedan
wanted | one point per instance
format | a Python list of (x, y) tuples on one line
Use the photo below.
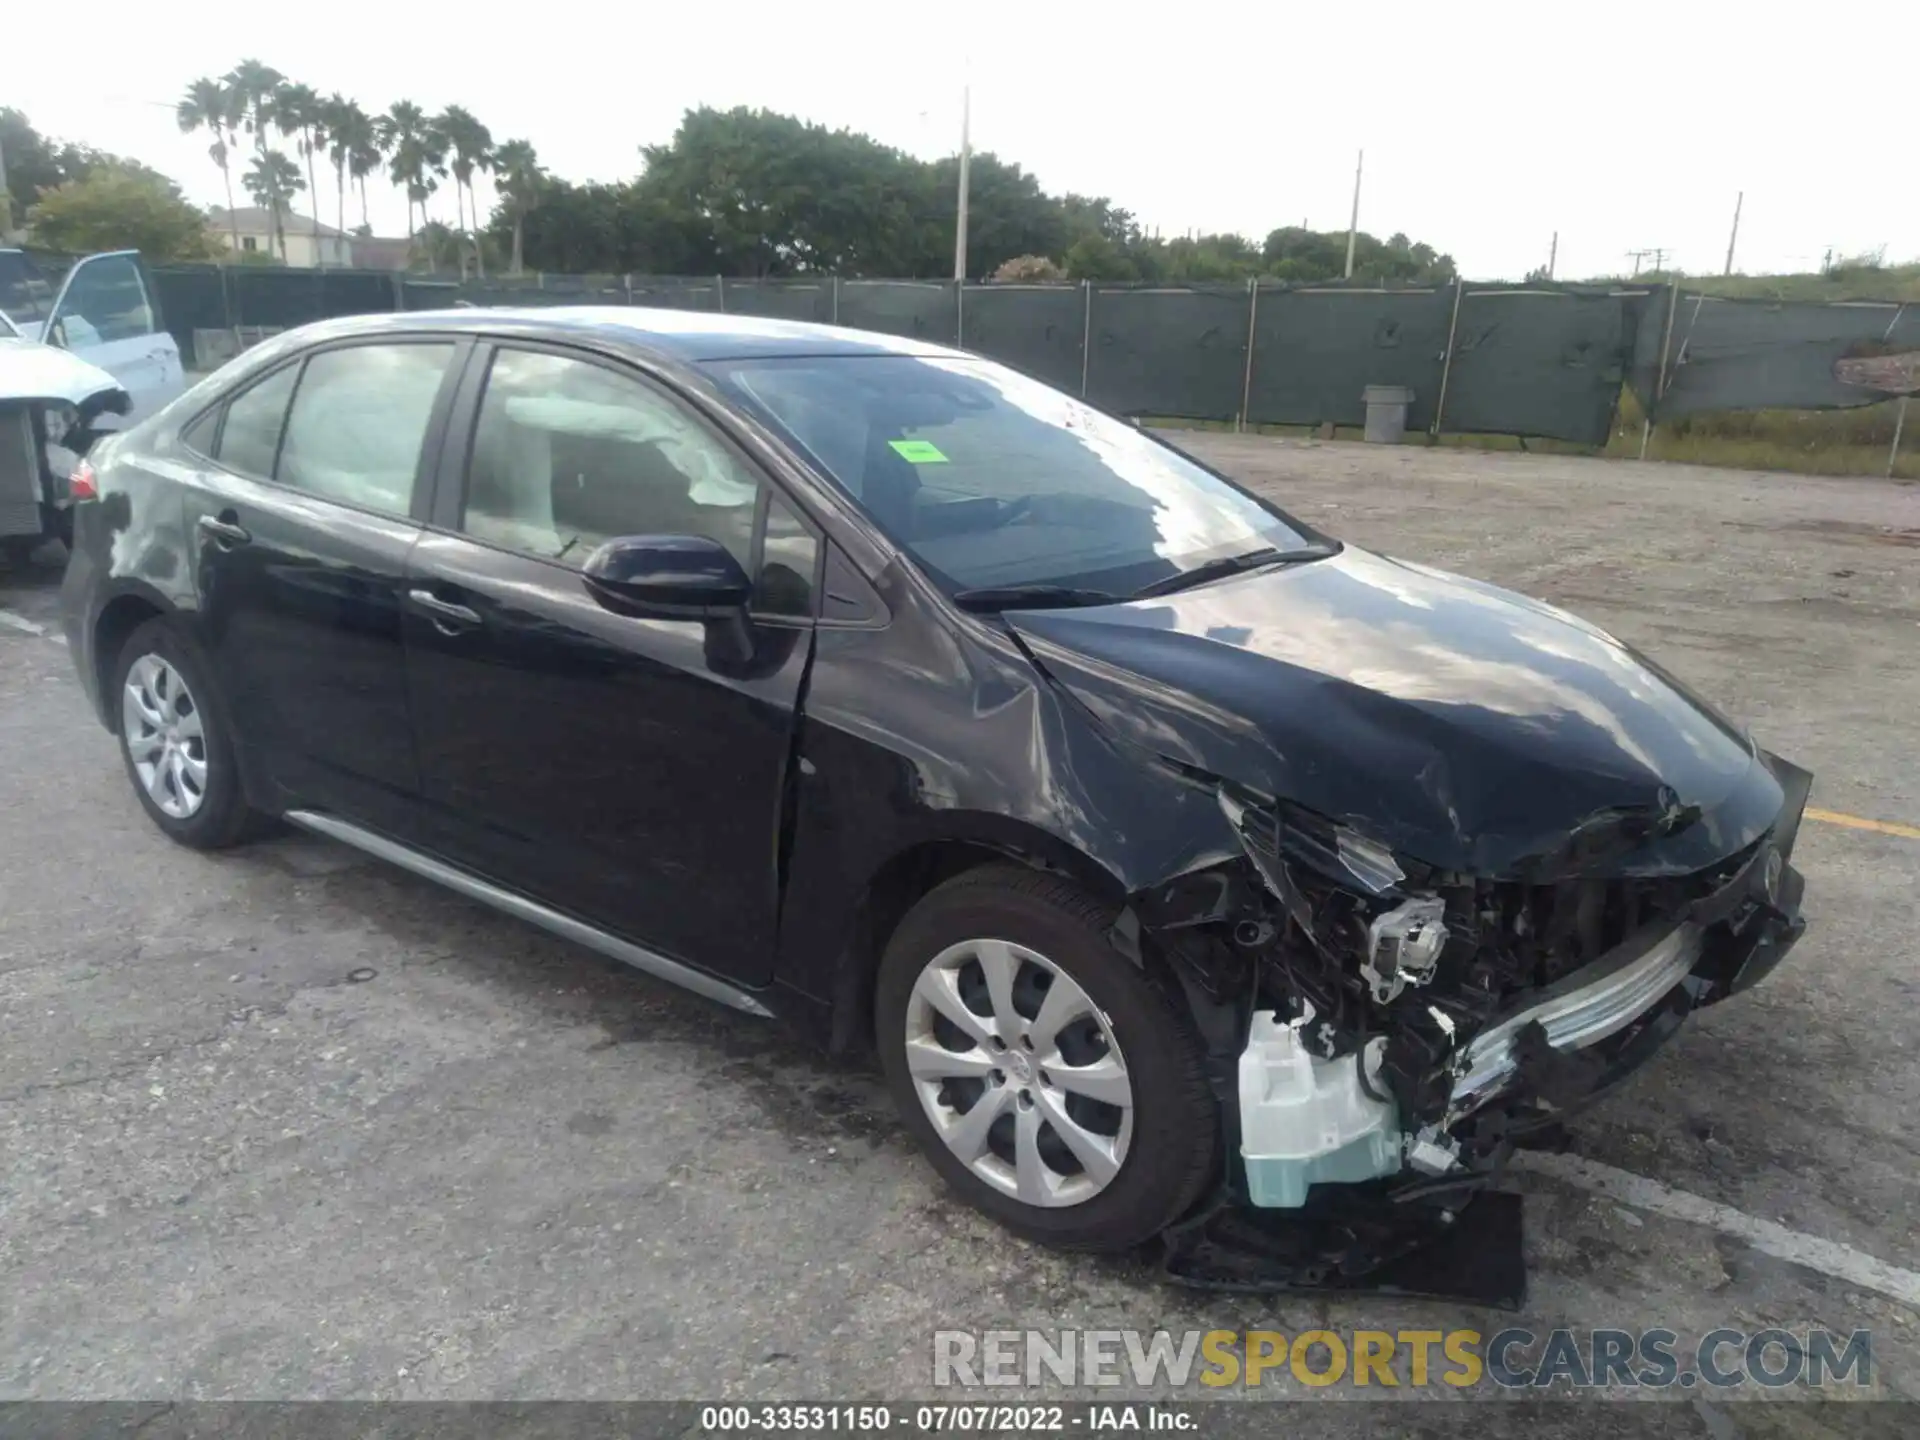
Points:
[(1171, 855)]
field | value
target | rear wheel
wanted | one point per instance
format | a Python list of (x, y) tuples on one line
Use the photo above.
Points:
[(174, 741), (1050, 1080)]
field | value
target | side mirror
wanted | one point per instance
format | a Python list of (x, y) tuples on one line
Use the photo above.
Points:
[(668, 577)]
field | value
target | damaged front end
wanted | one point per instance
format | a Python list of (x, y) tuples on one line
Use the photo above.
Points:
[(51, 405), (1382, 1034)]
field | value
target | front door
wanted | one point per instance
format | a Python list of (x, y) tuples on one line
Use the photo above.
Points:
[(302, 521), (105, 314), (629, 771)]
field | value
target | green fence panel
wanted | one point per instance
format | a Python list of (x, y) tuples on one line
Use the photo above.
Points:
[(922, 309), (1316, 349), (1538, 362), (810, 300), (1759, 354), (191, 298), (1040, 330), (1174, 352), (667, 292)]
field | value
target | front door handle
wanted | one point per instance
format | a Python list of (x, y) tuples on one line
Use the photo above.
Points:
[(448, 618), (223, 533)]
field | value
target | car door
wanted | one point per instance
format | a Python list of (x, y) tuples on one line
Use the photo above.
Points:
[(302, 517), (627, 770), (104, 313)]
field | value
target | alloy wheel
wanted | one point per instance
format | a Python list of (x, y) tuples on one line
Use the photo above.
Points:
[(161, 727), (1019, 1072)]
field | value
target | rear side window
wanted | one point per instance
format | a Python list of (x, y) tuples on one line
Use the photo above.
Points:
[(358, 421), (251, 435)]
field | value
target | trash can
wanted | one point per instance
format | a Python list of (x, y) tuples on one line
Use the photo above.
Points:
[(1386, 413)]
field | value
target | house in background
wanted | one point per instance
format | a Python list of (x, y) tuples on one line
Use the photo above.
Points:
[(254, 224)]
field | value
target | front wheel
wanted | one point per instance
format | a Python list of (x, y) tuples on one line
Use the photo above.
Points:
[(1050, 1080)]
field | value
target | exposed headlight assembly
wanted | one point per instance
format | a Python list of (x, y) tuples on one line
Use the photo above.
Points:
[(1402, 944)]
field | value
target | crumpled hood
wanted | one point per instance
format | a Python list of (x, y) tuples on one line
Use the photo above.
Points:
[(32, 371), (1468, 727)]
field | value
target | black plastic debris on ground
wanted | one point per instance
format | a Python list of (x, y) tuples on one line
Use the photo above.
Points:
[(1358, 1243)]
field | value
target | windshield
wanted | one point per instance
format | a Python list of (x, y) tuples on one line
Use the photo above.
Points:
[(990, 480)]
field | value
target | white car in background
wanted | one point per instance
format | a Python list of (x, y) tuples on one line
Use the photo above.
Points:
[(76, 363)]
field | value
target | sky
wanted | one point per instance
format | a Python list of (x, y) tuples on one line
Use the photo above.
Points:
[(1487, 127)]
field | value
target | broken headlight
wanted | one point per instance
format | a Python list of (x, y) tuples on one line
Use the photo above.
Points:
[(1396, 936)]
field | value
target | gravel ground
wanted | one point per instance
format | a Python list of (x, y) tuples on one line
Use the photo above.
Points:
[(502, 1168)]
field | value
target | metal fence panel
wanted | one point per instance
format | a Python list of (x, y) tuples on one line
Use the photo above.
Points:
[(781, 299), (1758, 354), (357, 292), (1316, 350), (1169, 352), (1039, 330), (669, 293), (192, 297), (429, 294), (1538, 362), (922, 309)]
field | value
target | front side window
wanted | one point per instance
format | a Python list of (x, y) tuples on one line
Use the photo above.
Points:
[(989, 479), (359, 418), (568, 455)]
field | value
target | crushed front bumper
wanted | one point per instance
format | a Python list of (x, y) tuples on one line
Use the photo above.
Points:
[(1516, 1081)]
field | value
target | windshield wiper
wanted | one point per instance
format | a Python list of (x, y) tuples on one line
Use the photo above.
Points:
[(1032, 597), (1229, 565)]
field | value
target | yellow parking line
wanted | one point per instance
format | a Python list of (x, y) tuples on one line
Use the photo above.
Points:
[(1856, 822)]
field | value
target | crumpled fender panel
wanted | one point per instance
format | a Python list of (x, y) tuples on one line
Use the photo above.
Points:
[(46, 374)]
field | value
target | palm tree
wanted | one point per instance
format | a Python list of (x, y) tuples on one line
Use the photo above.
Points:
[(470, 145), (359, 132), (255, 90), (337, 115), (208, 105), (298, 114), (518, 178), (417, 154), (273, 180)]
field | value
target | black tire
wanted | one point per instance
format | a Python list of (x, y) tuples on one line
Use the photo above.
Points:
[(1173, 1153), (223, 816)]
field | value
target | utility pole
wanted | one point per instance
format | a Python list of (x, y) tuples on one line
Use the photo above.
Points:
[(1353, 223), (1553, 254), (1739, 200), (966, 160), (1656, 253), (6, 199)]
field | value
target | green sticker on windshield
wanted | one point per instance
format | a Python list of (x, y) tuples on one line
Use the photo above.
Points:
[(918, 452)]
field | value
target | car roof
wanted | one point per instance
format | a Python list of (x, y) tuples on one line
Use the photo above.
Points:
[(679, 335)]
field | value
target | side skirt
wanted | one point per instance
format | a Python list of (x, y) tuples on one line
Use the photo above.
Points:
[(532, 911)]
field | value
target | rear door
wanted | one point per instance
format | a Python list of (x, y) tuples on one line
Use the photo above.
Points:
[(629, 771), (306, 506), (105, 314)]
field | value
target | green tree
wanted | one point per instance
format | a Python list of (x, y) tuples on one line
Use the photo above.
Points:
[(337, 114), (36, 163), (519, 180), (416, 154), (273, 180), (357, 145), (255, 90), (210, 106), (300, 114), (120, 207), (469, 148)]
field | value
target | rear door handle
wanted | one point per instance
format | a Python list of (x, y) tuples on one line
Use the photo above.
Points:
[(223, 533), (448, 618)]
